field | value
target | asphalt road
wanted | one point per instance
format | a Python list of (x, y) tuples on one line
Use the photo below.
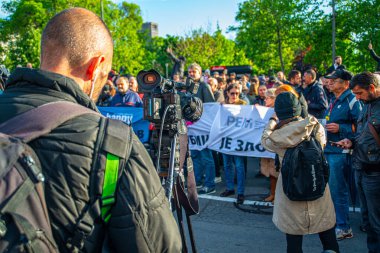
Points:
[(222, 227)]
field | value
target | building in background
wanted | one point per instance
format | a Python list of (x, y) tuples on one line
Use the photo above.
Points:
[(151, 28)]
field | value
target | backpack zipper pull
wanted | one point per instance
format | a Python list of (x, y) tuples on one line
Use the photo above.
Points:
[(31, 164)]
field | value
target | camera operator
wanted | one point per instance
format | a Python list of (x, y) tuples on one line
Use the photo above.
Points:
[(76, 57), (202, 160)]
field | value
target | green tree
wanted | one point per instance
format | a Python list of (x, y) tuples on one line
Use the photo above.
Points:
[(272, 31), (209, 49), (125, 23), (20, 31)]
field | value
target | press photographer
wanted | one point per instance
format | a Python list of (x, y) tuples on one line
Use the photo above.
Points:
[(101, 188)]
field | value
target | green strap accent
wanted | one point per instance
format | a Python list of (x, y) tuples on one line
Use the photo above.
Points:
[(109, 185)]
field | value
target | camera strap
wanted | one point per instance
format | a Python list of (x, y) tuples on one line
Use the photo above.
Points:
[(189, 201)]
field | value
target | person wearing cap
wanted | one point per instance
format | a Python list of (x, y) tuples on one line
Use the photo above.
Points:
[(286, 129), (341, 117)]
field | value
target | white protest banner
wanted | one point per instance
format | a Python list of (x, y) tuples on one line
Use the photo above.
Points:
[(236, 129), (199, 132)]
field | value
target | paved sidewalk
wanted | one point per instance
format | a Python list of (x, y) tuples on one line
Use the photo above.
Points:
[(221, 227)]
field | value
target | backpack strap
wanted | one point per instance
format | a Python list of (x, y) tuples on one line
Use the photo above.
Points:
[(116, 147), (113, 150), (109, 185), (43, 119)]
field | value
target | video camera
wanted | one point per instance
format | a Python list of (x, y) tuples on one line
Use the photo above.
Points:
[(168, 104), (162, 94)]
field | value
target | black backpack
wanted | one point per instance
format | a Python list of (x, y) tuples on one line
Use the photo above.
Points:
[(305, 171), (24, 220)]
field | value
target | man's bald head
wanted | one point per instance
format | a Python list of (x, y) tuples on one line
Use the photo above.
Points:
[(74, 35)]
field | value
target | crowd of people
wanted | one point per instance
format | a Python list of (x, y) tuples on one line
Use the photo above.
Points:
[(344, 110)]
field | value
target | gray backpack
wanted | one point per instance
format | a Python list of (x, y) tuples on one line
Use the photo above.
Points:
[(24, 220)]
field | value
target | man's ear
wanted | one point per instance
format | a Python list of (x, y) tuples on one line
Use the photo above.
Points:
[(94, 66), (372, 88)]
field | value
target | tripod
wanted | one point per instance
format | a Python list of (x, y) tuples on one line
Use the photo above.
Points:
[(172, 157)]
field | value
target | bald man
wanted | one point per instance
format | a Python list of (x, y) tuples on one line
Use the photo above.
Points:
[(76, 57)]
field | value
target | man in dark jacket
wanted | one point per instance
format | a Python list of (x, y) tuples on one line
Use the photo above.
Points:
[(203, 160), (75, 63), (314, 94), (374, 56), (337, 65), (366, 145), (260, 98)]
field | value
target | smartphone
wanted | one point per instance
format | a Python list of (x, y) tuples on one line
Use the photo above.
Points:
[(333, 143)]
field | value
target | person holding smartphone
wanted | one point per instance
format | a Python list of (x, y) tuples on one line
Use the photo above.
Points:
[(366, 152), (341, 117)]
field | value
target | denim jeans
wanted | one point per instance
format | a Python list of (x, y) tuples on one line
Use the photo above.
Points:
[(340, 169), (370, 183), (203, 163), (228, 162)]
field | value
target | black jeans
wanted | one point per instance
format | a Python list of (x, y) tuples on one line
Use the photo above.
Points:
[(328, 239)]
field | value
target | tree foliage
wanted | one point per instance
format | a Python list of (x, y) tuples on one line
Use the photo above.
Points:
[(271, 35), (270, 28)]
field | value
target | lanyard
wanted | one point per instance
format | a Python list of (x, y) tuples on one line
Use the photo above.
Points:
[(330, 109)]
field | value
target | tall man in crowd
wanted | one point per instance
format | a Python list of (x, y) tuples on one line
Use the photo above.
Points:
[(337, 65), (75, 63), (314, 94), (341, 118), (366, 155), (295, 78), (203, 160)]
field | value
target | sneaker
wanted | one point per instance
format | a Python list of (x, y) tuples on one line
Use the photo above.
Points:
[(218, 180), (207, 190), (343, 234), (199, 186), (227, 193), (240, 199), (363, 228)]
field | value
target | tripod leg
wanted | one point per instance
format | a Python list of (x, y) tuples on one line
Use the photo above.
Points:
[(192, 240), (180, 220)]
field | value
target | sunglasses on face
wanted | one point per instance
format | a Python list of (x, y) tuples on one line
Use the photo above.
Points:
[(234, 93)]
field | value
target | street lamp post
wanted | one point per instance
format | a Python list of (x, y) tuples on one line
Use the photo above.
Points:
[(166, 66), (333, 32), (101, 10)]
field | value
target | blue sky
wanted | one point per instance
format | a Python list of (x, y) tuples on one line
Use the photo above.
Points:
[(179, 17)]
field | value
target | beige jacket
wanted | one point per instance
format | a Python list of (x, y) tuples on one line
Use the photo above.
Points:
[(298, 217)]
